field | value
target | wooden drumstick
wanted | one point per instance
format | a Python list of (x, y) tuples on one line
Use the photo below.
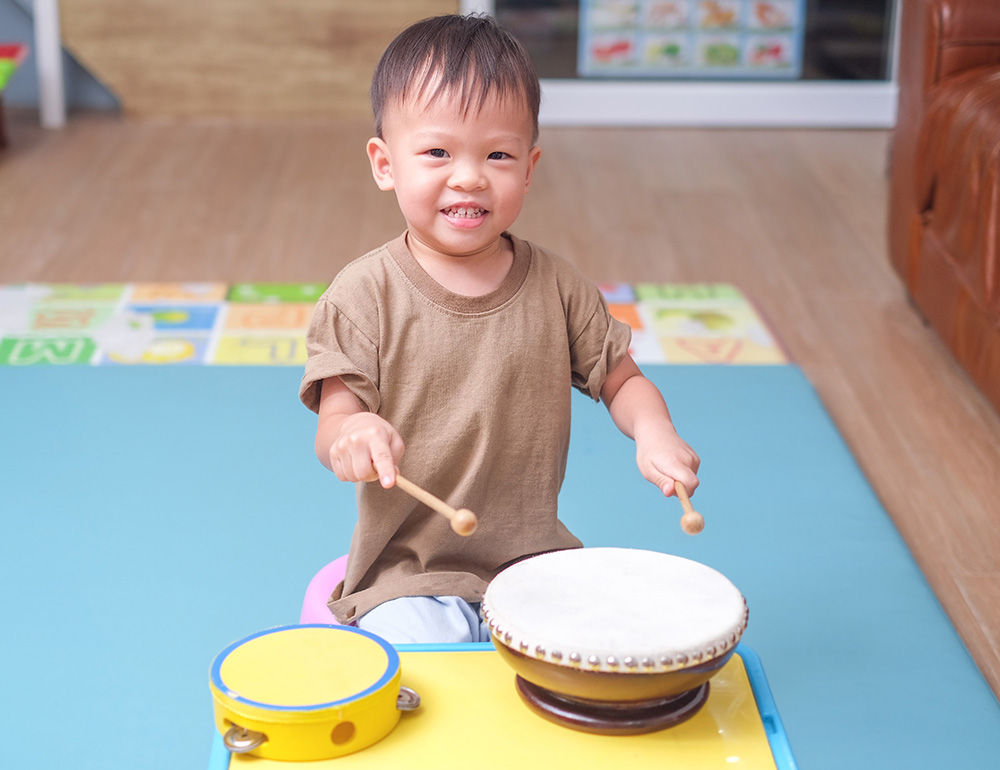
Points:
[(463, 521), (692, 522)]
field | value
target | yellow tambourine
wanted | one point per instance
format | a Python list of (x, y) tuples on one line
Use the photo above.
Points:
[(307, 692)]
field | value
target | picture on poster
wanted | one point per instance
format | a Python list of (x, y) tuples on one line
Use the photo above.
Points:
[(691, 38)]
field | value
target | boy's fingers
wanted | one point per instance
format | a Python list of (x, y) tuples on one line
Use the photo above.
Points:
[(385, 468), (667, 487), (665, 481), (687, 478), (384, 460), (361, 467)]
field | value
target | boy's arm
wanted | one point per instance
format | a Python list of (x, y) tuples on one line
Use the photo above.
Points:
[(355, 444), (640, 412)]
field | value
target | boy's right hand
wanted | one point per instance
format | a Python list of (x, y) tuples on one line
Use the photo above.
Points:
[(356, 444), (367, 448)]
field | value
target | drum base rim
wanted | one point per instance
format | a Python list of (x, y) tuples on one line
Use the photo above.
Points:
[(612, 718)]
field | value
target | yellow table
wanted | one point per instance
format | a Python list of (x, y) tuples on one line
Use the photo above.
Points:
[(471, 713)]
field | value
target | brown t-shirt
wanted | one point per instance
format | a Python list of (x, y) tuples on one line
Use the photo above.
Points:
[(479, 388)]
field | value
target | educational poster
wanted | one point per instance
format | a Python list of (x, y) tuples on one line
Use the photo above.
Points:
[(691, 38)]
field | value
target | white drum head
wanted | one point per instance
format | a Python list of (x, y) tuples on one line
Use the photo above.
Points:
[(615, 609)]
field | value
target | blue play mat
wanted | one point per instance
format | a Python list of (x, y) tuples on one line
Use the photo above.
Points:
[(151, 516)]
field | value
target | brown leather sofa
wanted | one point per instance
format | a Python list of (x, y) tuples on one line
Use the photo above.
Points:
[(944, 195)]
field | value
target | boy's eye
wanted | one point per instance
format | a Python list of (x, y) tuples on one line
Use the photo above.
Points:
[(437, 152), (498, 155)]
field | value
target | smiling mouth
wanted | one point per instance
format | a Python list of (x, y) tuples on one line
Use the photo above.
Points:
[(464, 212)]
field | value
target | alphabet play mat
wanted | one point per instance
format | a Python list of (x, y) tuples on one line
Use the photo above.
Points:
[(263, 324)]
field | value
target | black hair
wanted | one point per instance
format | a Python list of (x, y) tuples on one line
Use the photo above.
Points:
[(471, 56)]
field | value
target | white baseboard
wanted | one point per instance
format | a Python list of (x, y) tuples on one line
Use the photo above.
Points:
[(828, 104)]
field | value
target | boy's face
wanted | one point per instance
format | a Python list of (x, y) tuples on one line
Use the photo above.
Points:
[(460, 179)]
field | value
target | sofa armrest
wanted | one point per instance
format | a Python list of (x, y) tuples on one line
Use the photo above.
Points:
[(963, 34), (938, 39), (966, 20)]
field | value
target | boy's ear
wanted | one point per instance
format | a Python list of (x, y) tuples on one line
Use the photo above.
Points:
[(378, 156), (533, 155)]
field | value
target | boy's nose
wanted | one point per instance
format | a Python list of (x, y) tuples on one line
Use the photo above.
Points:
[(467, 176)]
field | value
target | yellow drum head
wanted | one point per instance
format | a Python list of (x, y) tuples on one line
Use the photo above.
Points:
[(304, 668), (311, 691)]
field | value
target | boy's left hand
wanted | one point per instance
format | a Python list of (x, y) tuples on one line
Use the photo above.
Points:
[(664, 457), (640, 412)]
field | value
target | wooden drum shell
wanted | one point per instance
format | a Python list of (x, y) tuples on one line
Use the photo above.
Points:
[(606, 686)]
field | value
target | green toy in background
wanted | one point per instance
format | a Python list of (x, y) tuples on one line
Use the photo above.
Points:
[(11, 57)]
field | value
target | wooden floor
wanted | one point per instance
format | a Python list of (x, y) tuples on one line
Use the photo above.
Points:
[(795, 218)]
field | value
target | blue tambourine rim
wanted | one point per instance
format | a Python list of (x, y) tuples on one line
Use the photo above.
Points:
[(391, 669)]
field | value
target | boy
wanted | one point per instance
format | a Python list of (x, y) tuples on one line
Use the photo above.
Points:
[(462, 340)]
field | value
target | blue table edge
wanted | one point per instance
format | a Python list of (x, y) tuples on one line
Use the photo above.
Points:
[(773, 727)]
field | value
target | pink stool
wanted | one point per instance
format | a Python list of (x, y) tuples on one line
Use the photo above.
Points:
[(314, 609)]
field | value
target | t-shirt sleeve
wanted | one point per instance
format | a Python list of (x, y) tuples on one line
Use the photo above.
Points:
[(598, 341), (338, 347)]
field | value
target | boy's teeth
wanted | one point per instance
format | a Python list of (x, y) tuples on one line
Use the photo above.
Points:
[(465, 212)]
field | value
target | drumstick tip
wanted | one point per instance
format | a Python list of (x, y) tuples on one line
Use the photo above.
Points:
[(464, 522), (692, 523)]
